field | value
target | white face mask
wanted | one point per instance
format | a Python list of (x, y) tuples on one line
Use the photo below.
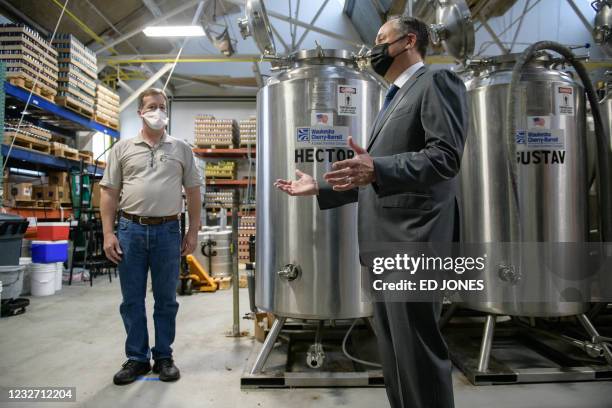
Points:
[(156, 119)]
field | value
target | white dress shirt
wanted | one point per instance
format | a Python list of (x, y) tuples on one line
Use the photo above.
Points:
[(405, 76)]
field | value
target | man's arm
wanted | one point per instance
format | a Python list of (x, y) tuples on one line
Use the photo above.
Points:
[(329, 198), (194, 207), (109, 198), (444, 115)]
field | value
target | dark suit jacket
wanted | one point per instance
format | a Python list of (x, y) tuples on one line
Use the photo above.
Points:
[(417, 147)]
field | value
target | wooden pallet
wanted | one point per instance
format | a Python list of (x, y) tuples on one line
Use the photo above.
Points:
[(214, 146), (106, 122), (100, 164), (86, 156), (27, 142), (75, 106), (248, 144), (20, 80), (65, 152), (32, 204), (223, 283)]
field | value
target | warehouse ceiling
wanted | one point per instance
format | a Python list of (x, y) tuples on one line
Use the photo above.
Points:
[(331, 23)]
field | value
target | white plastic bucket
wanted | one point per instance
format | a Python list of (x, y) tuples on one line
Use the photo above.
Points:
[(59, 274), (12, 281), (27, 272), (43, 279)]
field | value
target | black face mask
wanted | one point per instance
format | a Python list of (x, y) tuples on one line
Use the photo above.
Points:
[(380, 59)]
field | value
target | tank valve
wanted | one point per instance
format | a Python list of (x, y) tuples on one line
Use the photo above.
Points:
[(508, 274), (315, 357), (289, 272)]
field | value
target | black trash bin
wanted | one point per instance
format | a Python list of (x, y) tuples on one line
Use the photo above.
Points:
[(12, 230)]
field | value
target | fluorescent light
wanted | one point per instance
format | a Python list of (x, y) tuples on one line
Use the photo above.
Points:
[(174, 31)]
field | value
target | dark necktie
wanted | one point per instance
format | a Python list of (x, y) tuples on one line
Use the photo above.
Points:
[(389, 96)]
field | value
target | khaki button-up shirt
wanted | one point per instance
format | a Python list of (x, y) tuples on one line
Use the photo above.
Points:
[(151, 179)]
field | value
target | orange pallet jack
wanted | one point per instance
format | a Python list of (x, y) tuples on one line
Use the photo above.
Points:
[(196, 278)]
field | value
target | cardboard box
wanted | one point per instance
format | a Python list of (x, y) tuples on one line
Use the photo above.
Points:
[(20, 191), (64, 195), (263, 322), (52, 193), (60, 179), (38, 193), (95, 195)]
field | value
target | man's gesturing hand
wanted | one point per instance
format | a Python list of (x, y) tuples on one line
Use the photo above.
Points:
[(351, 173), (305, 185), (112, 249)]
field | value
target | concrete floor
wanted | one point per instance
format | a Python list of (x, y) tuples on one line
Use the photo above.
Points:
[(76, 339)]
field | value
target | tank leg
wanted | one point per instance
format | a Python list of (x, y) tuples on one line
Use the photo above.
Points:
[(268, 345), (448, 315), (487, 341), (603, 342)]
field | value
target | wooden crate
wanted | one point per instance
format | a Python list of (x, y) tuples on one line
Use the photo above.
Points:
[(27, 142)]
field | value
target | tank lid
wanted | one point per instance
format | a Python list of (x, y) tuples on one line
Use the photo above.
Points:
[(454, 28), (322, 53), (256, 24)]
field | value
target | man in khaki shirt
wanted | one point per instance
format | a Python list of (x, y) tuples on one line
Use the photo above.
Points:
[(144, 178)]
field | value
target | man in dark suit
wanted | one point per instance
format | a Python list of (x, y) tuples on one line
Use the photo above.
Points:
[(405, 186)]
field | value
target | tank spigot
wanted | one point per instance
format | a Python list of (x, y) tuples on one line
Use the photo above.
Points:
[(289, 272), (315, 357)]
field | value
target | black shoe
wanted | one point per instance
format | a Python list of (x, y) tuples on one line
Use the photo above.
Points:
[(130, 370), (166, 369)]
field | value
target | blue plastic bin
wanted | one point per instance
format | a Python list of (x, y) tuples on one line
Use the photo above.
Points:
[(49, 251)]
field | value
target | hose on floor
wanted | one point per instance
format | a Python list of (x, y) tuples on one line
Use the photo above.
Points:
[(355, 359)]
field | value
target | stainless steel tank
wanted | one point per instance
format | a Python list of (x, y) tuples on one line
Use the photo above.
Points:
[(552, 179), (307, 259), (602, 27)]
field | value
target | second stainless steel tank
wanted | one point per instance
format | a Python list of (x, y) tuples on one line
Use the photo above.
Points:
[(551, 171)]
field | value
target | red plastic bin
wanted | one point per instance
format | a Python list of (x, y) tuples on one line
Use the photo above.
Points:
[(52, 231)]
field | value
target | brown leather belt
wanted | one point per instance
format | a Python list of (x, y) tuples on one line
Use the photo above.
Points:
[(150, 220)]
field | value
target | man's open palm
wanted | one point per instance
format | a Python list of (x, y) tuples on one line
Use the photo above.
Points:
[(305, 185)]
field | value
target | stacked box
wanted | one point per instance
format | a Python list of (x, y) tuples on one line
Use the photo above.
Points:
[(217, 199), (222, 169), (27, 128), (107, 107), (28, 55), (246, 229), (211, 132), (78, 69), (248, 131)]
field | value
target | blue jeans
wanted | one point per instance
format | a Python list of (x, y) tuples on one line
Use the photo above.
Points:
[(156, 247)]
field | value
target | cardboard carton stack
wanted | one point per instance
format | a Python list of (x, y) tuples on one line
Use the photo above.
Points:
[(107, 107), (28, 55), (215, 133), (218, 199), (246, 229), (56, 190), (77, 74), (248, 132)]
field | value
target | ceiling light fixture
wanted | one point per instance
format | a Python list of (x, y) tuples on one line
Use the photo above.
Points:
[(174, 31)]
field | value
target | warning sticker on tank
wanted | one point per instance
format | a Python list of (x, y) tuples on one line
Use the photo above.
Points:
[(565, 100), (540, 139), (347, 100), (322, 136)]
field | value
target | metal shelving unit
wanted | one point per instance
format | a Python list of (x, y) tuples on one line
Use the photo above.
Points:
[(55, 117), (32, 160)]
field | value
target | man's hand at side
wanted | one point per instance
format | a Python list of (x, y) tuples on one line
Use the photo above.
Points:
[(112, 249), (351, 173), (189, 242)]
